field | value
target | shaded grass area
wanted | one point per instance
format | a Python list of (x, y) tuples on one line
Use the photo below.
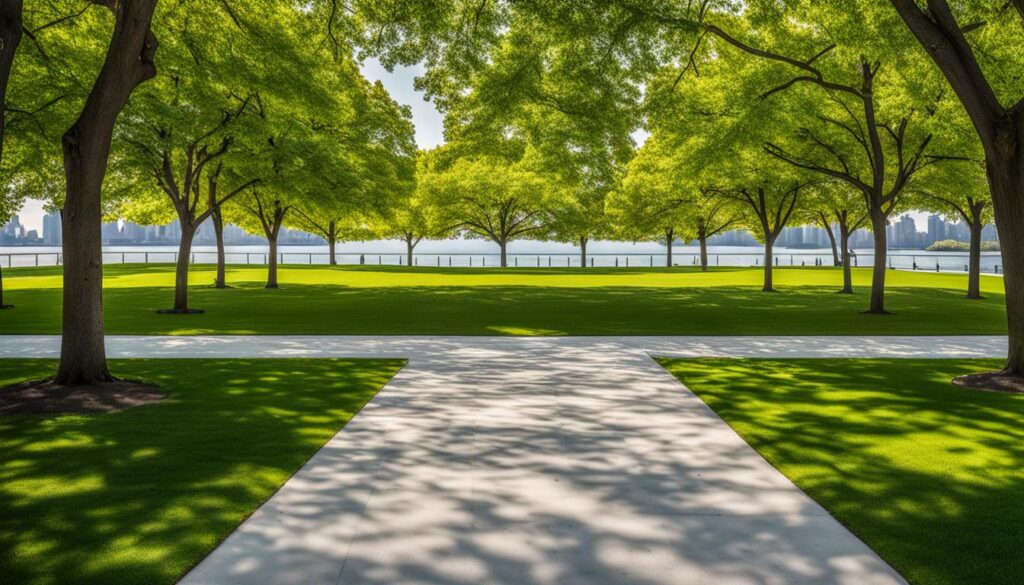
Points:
[(140, 496), (394, 300), (928, 474)]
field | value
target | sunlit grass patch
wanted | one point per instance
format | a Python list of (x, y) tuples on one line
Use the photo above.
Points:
[(926, 473), (371, 300), (140, 496)]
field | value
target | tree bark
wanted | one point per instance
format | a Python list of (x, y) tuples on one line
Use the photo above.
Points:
[(10, 36), (181, 270), (877, 305), (844, 239), (669, 233), (974, 263), (2, 305), (1006, 178), (218, 231), (583, 251), (332, 237), (272, 261), (409, 246), (1001, 131), (504, 255), (86, 148), (702, 236), (769, 244), (832, 239)]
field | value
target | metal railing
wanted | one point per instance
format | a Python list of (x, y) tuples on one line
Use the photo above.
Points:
[(940, 262)]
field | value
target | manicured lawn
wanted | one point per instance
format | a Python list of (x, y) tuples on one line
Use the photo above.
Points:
[(142, 495), (394, 300), (928, 474)]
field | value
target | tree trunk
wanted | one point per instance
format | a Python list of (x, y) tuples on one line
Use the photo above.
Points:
[(218, 230), (272, 261), (504, 256), (703, 237), (332, 237), (974, 263), (409, 246), (86, 148), (1006, 182), (832, 240), (844, 239), (769, 244), (877, 305), (10, 35), (2, 305), (669, 233), (583, 252), (181, 270)]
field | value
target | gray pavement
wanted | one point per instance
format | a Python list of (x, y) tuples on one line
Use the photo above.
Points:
[(537, 460)]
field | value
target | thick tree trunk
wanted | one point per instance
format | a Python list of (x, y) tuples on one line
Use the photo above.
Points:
[(669, 236), (2, 305), (877, 305), (504, 255), (844, 239), (86, 148), (218, 230), (1006, 182), (272, 261), (332, 237), (974, 262), (583, 252), (181, 270), (10, 35), (409, 246), (769, 244), (702, 236), (832, 239)]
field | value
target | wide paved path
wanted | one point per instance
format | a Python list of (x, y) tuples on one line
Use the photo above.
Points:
[(537, 460)]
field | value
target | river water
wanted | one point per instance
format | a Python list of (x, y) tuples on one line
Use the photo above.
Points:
[(522, 253)]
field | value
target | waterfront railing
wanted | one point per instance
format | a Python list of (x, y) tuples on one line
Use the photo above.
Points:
[(940, 262)]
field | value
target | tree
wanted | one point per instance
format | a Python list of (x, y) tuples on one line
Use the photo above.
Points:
[(767, 209), (86, 147), (368, 174), (10, 202), (412, 217), (863, 134), (269, 211), (954, 40), (487, 196), (651, 203), (960, 192), (663, 193), (832, 202)]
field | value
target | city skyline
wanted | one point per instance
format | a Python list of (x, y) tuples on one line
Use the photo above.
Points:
[(901, 233)]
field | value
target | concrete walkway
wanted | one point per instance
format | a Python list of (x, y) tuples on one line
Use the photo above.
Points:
[(537, 460)]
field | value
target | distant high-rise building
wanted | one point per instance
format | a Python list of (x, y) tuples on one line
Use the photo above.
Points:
[(936, 229), (52, 234)]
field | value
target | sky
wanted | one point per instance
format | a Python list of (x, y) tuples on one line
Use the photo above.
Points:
[(428, 121)]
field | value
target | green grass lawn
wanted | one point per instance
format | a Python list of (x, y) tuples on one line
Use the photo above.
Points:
[(928, 474), (460, 301), (142, 495)]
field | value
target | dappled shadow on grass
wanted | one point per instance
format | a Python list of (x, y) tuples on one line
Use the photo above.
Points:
[(488, 310), (926, 473), (139, 496)]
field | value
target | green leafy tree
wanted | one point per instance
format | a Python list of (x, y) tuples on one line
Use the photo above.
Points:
[(960, 192), (835, 203), (976, 46), (488, 197)]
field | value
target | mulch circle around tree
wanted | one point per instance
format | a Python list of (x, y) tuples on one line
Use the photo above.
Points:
[(47, 397), (992, 382)]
